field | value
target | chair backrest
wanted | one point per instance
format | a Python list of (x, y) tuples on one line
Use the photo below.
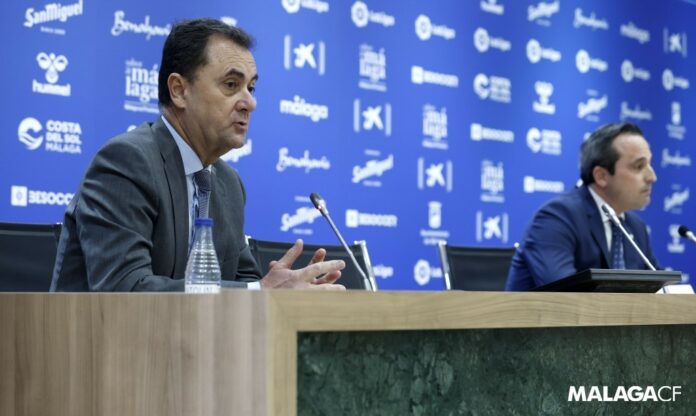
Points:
[(27, 254), (266, 251), (475, 268)]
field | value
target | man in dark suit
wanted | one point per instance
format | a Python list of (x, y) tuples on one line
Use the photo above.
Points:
[(128, 228), (571, 233)]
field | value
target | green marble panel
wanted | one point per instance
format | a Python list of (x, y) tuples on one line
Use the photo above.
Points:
[(493, 371)]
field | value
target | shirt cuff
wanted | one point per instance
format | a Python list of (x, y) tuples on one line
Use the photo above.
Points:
[(254, 285)]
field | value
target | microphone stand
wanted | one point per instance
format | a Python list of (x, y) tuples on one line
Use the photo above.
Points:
[(321, 206)]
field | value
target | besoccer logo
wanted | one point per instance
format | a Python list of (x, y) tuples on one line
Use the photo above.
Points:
[(360, 14), (424, 28), (27, 126), (291, 6), (19, 196), (52, 64)]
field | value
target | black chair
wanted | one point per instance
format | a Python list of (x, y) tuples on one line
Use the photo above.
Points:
[(266, 251), (27, 254), (475, 268)]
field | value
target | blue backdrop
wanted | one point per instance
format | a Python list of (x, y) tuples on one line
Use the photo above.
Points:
[(417, 121)]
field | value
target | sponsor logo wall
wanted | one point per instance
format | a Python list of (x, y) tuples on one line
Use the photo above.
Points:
[(418, 122)]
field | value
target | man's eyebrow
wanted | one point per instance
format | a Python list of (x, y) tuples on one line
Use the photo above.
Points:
[(239, 74)]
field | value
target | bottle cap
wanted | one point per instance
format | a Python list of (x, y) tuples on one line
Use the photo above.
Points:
[(204, 221)]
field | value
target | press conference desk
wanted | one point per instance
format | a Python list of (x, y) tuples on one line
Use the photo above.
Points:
[(246, 353)]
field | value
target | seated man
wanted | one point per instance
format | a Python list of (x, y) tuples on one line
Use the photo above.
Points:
[(129, 226), (571, 233)]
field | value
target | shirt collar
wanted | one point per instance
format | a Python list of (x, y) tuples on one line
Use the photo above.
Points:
[(192, 163), (600, 201)]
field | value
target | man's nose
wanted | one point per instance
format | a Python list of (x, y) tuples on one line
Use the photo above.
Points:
[(247, 102), (652, 176)]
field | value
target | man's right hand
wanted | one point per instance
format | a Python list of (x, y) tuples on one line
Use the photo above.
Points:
[(281, 275)]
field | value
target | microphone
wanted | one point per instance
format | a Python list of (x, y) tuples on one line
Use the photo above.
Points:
[(615, 219), (685, 232), (320, 204)]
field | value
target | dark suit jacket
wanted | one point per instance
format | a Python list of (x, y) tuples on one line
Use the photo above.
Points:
[(567, 236), (126, 229)]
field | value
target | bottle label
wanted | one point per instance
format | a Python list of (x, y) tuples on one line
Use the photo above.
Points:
[(202, 288)]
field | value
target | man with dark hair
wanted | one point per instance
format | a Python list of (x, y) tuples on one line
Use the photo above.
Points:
[(129, 226), (571, 233)]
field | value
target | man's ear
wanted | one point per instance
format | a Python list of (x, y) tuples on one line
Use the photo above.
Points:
[(601, 176), (177, 89)]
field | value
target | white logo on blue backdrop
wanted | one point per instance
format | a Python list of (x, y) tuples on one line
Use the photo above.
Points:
[(636, 113), (483, 41), (492, 227), (492, 181), (675, 246), (375, 117), (53, 12), (590, 109), (493, 87), (673, 203), (492, 6), (545, 141), (60, 137), (53, 64), (631, 31), (298, 222), (536, 52), (584, 62), (629, 72), (304, 55), (141, 84), (677, 159), (425, 29), (675, 129), (374, 168), (362, 15), (27, 126), (675, 42), (543, 105), (480, 132), (304, 162), (301, 108), (121, 25), (591, 21), (420, 75), (670, 81), (435, 175), (542, 12), (434, 127), (293, 6), (433, 235), (373, 68)]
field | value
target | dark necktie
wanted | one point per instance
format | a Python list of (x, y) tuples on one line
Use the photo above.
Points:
[(202, 180), (617, 248)]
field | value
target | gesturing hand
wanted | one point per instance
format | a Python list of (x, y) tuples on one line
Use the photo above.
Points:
[(281, 275)]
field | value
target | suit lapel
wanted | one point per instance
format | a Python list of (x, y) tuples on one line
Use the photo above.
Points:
[(594, 218), (176, 179)]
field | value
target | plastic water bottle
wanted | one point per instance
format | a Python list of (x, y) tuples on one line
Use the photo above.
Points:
[(202, 269)]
